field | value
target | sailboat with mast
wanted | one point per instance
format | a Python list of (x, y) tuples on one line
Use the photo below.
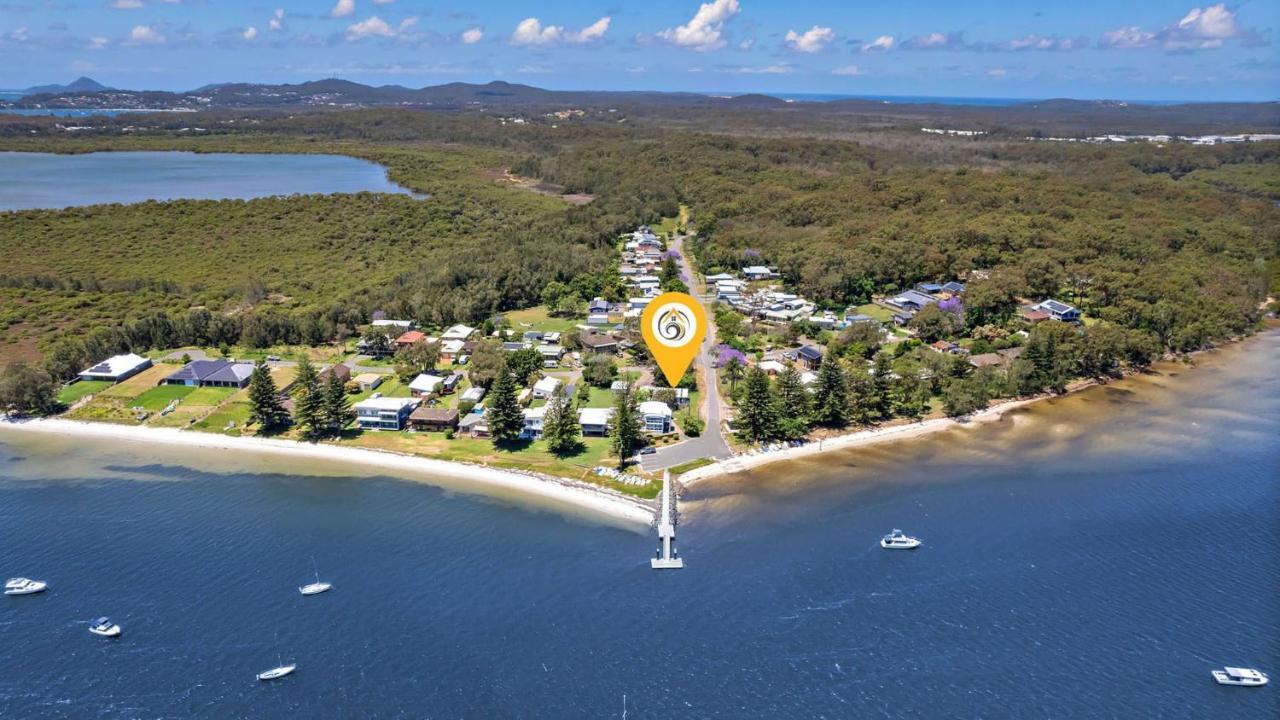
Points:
[(316, 587)]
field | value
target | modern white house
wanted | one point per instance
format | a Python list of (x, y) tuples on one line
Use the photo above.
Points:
[(457, 332), (595, 421), (117, 368), (1058, 310), (425, 384), (384, 413), (657, 417), (533, 419), (545, 387)]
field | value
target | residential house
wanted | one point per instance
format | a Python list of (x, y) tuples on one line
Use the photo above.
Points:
[(809, 357), (930, 288), (551, 355), (551, 338), (945, 347), (384, 413), (407, 339), (596, 342), (953, 287), (425, 384), (392, 324), (513, 346), (429, 419), (472, 394), (598, 319), (533, 422), (682, 394), (116, 368), (639, 303), (598, 306), (211, 373), (451, 350), (595, 421), (856, 318), (759, 272), (719, 277), (545, 387), (532, 336), (474, 425), (986, 359), (450, 384), (618, 386), (1058, 310), (341, 371), (772, 367), (656, 417), (368, 381), (457, 332), (912, 301)]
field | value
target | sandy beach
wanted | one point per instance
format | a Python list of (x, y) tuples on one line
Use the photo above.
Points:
[(580, 495)]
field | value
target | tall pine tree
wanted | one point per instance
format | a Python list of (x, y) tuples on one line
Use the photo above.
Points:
[(264, 401), (882, 386), (560, 425), (308, 403), (757, 413), (337, 406), (503, 416), (831, 407), (794, 404), (625, 429)]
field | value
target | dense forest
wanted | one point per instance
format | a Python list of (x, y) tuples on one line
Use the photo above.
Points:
[(1180, 241)]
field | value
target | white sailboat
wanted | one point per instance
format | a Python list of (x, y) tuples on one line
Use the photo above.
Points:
[(316, 587), (278, 671)]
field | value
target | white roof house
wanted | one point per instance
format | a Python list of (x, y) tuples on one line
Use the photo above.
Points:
[(545, 387), (808, 378), (116, 368), (656, 416), (425, 384), (594, 421), (473, 394), (384, 413), (402, 324), (773, 367), (451, 347), (457, 332)]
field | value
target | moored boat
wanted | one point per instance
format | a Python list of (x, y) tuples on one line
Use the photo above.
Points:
[(24, 586), (1243, 677), (105, 628), (276, 673), (898, 540)]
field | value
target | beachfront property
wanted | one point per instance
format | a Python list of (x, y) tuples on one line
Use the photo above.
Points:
[(425, 384), (384, 413), (533, 422), (657, 417), (474, 425), (211, 373), (1057, 310), (116, 368), (428, 419), (595, 421)]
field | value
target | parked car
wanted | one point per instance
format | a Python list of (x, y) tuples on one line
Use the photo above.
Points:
[(648, 450)]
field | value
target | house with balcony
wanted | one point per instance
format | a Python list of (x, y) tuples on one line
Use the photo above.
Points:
[(384, 413)]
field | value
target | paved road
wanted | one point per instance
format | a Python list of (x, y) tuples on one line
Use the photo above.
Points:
[(711, 443)]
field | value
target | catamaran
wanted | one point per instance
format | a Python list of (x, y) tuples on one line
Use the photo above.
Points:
[(897, 540), (24, 586), (105, 628), (1245, 677), (316, 587)]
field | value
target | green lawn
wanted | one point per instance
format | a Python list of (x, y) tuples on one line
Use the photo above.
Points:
[(209, 396), (671, 224), (600, 398), (390, 387), (237, 412), (157, 398), (882, 314), (71, 393), (536, 318)]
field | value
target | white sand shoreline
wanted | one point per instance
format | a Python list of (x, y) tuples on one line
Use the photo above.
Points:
[(580, 495), (860, 438)]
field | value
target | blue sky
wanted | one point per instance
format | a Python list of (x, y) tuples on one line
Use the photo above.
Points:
[(1139, 49)]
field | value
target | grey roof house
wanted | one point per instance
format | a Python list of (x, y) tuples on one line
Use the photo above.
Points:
[(212, 373)]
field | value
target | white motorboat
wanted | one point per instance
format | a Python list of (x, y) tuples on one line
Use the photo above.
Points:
[(316, 587), (104, 628), (1244, 677), (897, 540), (24, 586), (276, 673)]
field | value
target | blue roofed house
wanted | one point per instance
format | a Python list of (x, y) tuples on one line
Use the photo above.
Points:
[(1058, 310), (953, 287), (929, 287), (809, 357), (211, 373), (911, 300)]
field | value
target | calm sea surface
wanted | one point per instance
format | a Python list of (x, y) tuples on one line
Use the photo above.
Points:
[(47, 180), (1094, 556)]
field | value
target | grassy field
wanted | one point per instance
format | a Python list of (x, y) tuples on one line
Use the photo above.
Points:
[(72, 393), (537, 318), (235, 411), (882, 314), (159, 397), (672, 224)]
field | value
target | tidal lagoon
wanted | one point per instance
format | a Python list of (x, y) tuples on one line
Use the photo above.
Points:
[(51, 181), (1094, 555)]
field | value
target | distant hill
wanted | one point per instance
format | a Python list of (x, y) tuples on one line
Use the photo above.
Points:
[(80, 84)]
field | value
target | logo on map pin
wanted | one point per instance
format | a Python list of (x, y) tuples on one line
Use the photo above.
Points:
[(673, 325)]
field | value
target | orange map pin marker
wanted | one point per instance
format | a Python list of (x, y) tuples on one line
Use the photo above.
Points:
[(673, 325)]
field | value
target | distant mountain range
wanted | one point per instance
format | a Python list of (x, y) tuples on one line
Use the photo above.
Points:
[(79, 85), (1064, 114)]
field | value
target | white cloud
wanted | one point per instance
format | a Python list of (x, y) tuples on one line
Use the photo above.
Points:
[(530, 31), (810, 41), (145, 35), (471, 36), (880, 44), (373, 27), (533, 69), (407, 24), (343, 8), (1043, 42), (19, 34), (98, 43), (276, 23), (250, 33), (997, 72), (705, 31), (1200, 29), (383, 2), (849, 70), (747, 44), (782, 69), (127, 4)]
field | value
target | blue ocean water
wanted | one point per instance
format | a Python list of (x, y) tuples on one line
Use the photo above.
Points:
[(939, 99), (48, 180), (1094, 557)]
